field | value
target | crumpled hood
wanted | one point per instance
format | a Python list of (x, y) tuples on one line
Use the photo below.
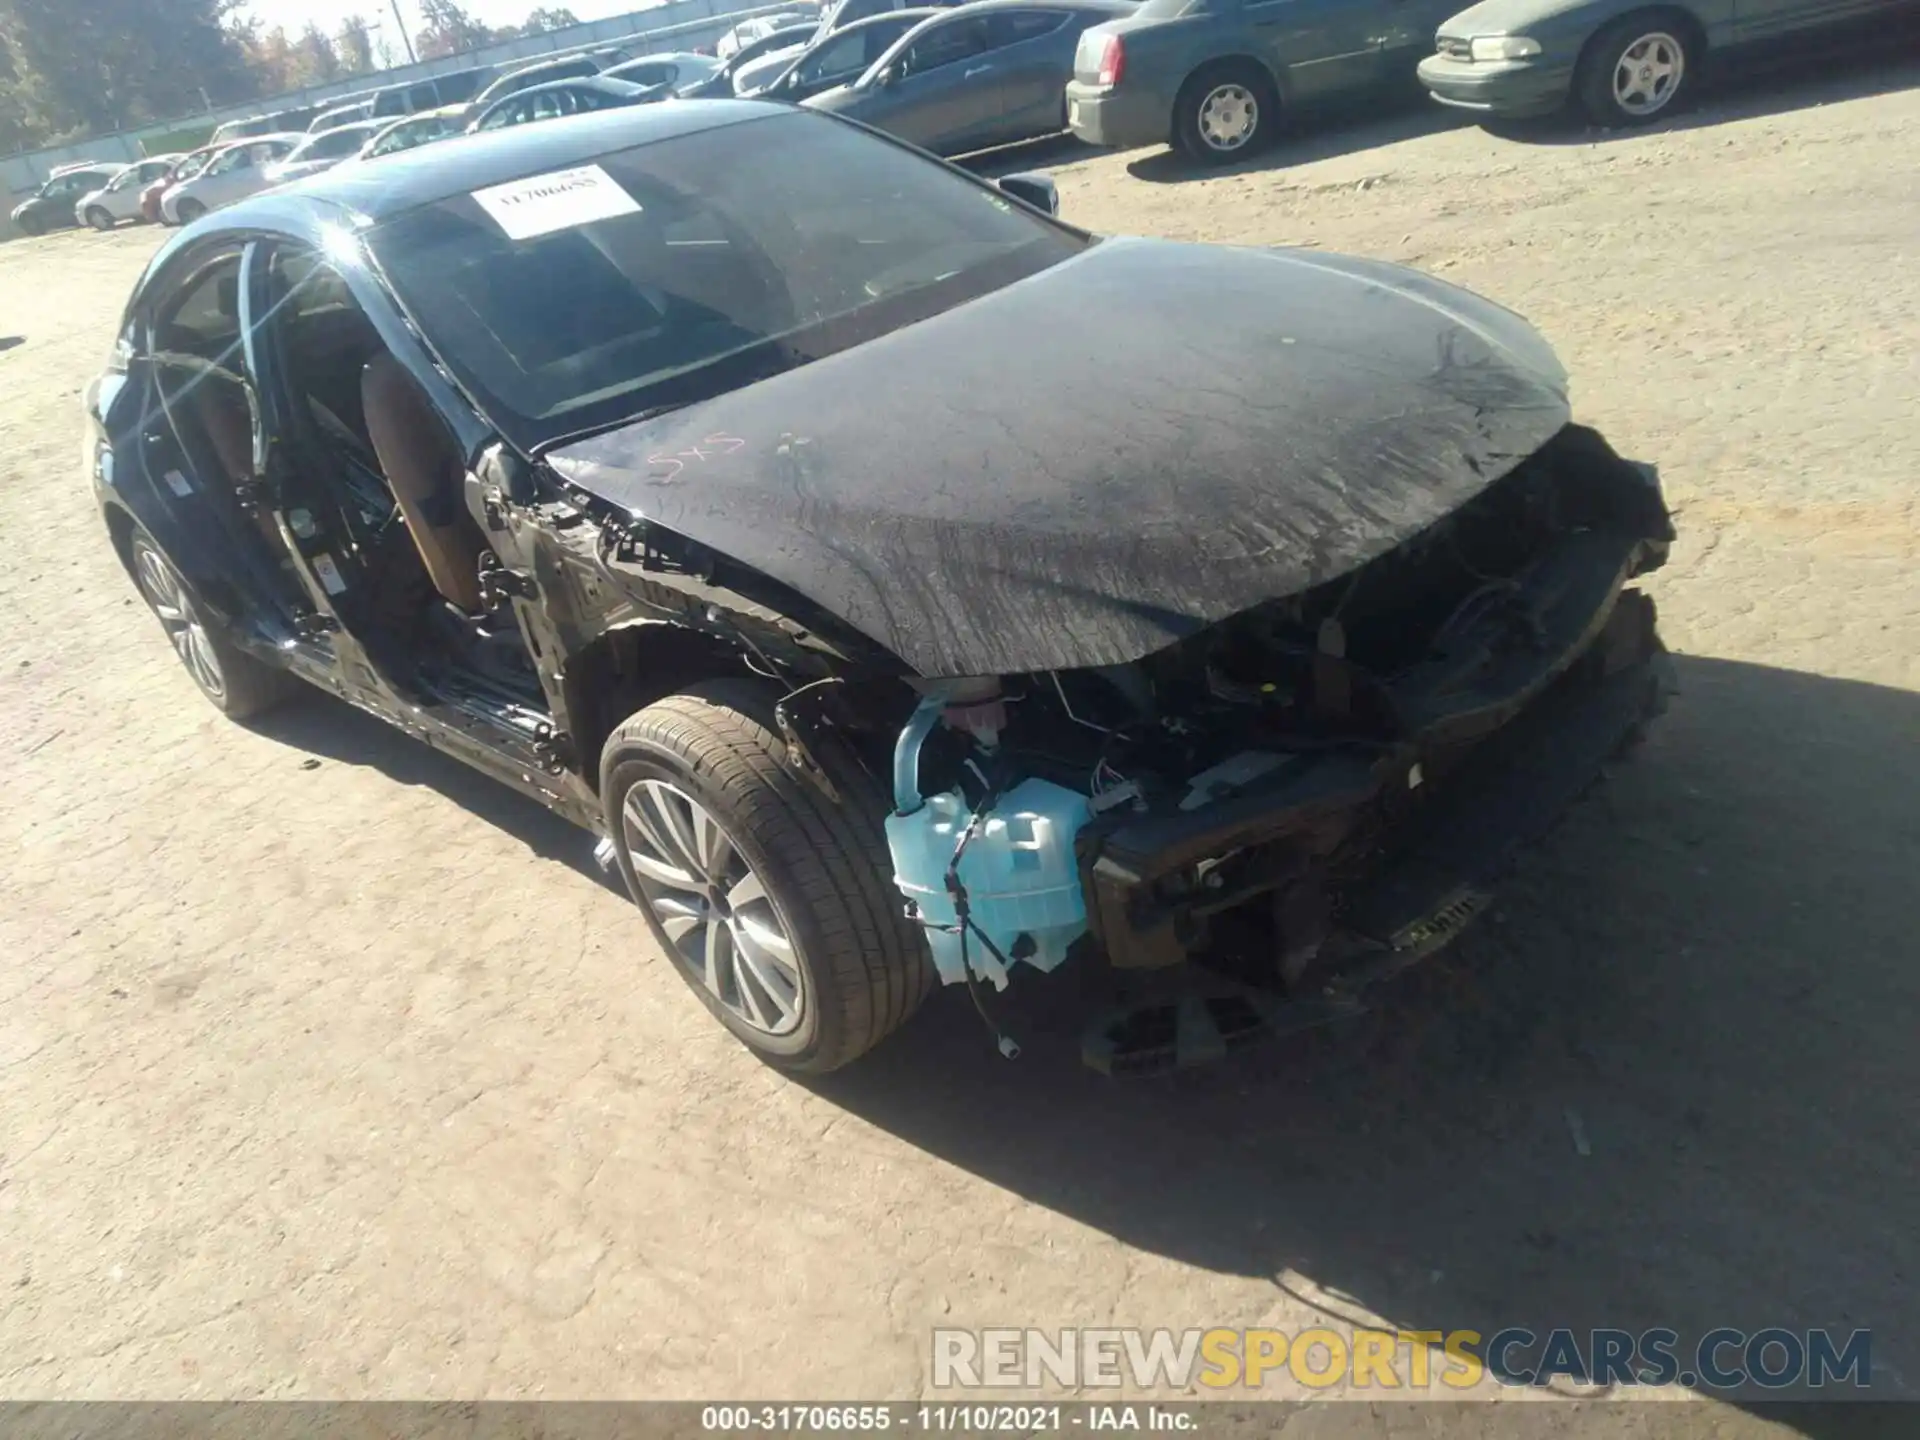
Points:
[(1103, 458)]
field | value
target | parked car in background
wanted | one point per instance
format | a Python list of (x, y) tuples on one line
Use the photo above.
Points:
[(836, 59), (1620, 62), (185, 168), (677, 68), (340, 115), (792, 37), (324, 151), (985, 74), (414, 130), (119, 198), (235, 173), (1212, 76), (759, 27), (277, 122), (565, 97), (567, 67), (51, 206), (754, 78), (454, 87)]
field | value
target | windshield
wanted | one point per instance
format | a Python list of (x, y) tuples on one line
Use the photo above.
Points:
[(665, 274)]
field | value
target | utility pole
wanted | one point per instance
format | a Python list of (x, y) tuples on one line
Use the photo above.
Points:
[(405, 38)]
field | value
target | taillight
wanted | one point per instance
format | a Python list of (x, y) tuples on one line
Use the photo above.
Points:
[(1113, 60)]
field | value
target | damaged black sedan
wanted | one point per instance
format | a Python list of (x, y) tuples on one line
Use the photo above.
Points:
[(907, 587)]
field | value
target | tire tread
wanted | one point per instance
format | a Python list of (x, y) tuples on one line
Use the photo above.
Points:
[(876, 971)]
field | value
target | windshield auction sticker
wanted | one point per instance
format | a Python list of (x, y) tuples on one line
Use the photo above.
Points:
[(541, 204)]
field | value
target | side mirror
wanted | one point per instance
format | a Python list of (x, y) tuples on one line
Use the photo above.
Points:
[(1039, 191)]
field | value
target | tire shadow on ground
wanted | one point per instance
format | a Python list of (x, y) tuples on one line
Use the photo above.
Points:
[(1668, 1083), (319, 724)]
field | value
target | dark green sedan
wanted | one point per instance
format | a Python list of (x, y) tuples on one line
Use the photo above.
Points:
[(1622, 62)]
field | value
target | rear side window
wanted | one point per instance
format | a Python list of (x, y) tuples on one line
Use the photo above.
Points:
[(840, 54), (947, 44), (1018, 25)]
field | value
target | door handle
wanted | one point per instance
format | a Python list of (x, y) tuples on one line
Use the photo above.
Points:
[(977, 70)]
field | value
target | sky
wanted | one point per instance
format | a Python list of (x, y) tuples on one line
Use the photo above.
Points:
[(327, 14)]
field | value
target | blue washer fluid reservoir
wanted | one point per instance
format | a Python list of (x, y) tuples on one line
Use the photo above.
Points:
[(1019, 872)]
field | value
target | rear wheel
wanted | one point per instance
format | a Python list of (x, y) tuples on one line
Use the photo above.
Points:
[(1638, 69), (98, 218), (773, 902), (232, 679), (1225, 111), (189, 211), (32, 225)]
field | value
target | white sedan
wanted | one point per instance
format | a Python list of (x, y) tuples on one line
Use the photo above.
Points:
[(324, 151), (236, 172), (119, 198)]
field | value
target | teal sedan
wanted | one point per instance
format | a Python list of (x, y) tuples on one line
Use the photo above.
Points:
[(1622, 62)]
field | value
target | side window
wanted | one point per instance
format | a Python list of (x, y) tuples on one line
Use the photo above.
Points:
[(422, 97), (879, 39), (547, 105), (838, 55), (227, 161), (949, 44), (1013, 26), (202, 317)]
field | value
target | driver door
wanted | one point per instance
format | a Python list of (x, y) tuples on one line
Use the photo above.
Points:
[(933, 94), (197, 413)]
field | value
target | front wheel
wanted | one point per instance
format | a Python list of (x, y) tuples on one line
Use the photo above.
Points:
[(232, 679), (189, 211), (1225, 112), (99, 219), (773, 902), (1636, 70)]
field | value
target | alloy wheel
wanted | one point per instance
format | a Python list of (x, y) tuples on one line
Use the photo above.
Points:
[(1648, 74), (167, 596), (719, 920), (1229, 115)]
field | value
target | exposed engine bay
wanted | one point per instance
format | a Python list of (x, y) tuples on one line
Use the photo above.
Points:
[(1256, 798)]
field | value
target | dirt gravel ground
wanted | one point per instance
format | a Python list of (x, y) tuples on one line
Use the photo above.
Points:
[(329, 1069)]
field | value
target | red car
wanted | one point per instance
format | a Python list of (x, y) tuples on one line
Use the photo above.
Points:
[(188, 166)]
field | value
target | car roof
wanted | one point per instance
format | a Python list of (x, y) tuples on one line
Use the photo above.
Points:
[(554, 63), (611, 84), (412, 178), (868, 22)]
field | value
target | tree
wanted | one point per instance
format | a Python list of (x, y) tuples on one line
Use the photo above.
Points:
[(449, 30), (548, 17), (314, 52), (354, 46), (103, 65)]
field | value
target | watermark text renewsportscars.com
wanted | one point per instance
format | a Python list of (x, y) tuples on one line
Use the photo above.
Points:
[(1322, 1357)]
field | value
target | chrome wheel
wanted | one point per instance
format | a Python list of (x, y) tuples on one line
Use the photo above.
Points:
[(167, 596), (1648, 74), (1229, 114), (719, 920)]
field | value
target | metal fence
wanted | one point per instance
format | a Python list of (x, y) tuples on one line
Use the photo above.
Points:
[(676, 25)]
